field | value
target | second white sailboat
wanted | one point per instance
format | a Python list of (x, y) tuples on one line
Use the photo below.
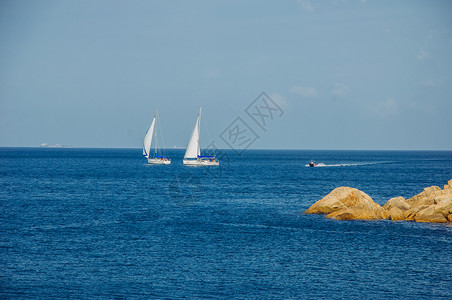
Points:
[(193, 155)]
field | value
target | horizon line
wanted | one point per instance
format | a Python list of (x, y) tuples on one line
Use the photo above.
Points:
[(240, 150)]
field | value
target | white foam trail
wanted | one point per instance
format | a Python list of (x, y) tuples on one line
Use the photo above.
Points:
[(322, 165)]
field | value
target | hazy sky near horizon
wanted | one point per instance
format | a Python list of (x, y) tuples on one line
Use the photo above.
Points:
[(346, 74)]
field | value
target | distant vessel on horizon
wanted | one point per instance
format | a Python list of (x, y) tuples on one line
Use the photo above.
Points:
[(193, 155), (45, 145), (156, 159)]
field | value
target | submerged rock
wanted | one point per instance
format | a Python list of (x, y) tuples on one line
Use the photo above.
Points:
[(345, 203)]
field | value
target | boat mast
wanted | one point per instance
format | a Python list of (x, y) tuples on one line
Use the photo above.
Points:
[(155, 133), (199, 131)]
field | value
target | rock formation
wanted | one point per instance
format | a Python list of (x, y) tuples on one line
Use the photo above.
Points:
[(432, 205), (396, 207), (344, 203)]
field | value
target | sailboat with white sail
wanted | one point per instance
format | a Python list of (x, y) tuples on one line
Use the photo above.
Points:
[(193, 155), (151, 134)]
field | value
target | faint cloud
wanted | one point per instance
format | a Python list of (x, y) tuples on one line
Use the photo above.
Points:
[(336, 2), (424, 108), (432, 82), (422, 55), (303, 91), (339, 90), (280, 100), (306, 5), (385, 108), (432, 34), (211, 73)]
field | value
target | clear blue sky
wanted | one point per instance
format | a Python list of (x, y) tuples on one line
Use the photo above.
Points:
[(347, 74)]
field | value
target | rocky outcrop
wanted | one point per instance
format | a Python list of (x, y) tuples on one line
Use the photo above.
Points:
[(395, 214), (344, 203), (432, 205), (396, 208)]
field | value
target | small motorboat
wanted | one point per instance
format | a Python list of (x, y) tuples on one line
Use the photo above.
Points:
[(312, 163)]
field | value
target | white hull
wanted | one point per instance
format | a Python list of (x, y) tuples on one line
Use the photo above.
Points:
[(154, 159), (158, 161), (192, 155), (200, 162)]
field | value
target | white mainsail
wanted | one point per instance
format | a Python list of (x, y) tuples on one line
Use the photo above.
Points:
[(148, 139), (192, 155), (193, 150)]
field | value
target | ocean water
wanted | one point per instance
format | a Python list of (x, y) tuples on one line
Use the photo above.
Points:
[(101, 223)]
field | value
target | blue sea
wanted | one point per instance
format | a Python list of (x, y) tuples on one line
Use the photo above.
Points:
[(101, 223)]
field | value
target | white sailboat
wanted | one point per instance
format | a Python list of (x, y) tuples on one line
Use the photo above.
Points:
[(193, 155), (155, 159)]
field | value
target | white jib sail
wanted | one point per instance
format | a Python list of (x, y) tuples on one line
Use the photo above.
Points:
[(193, 145), (148, 139)]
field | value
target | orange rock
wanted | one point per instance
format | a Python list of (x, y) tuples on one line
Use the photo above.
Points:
[(345, 203), (448, 186), (395, 214), (433, 218), (352, 202), (398, 202), (345, 216)]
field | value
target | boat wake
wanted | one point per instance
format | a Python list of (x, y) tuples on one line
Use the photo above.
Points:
[(322, 165)]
